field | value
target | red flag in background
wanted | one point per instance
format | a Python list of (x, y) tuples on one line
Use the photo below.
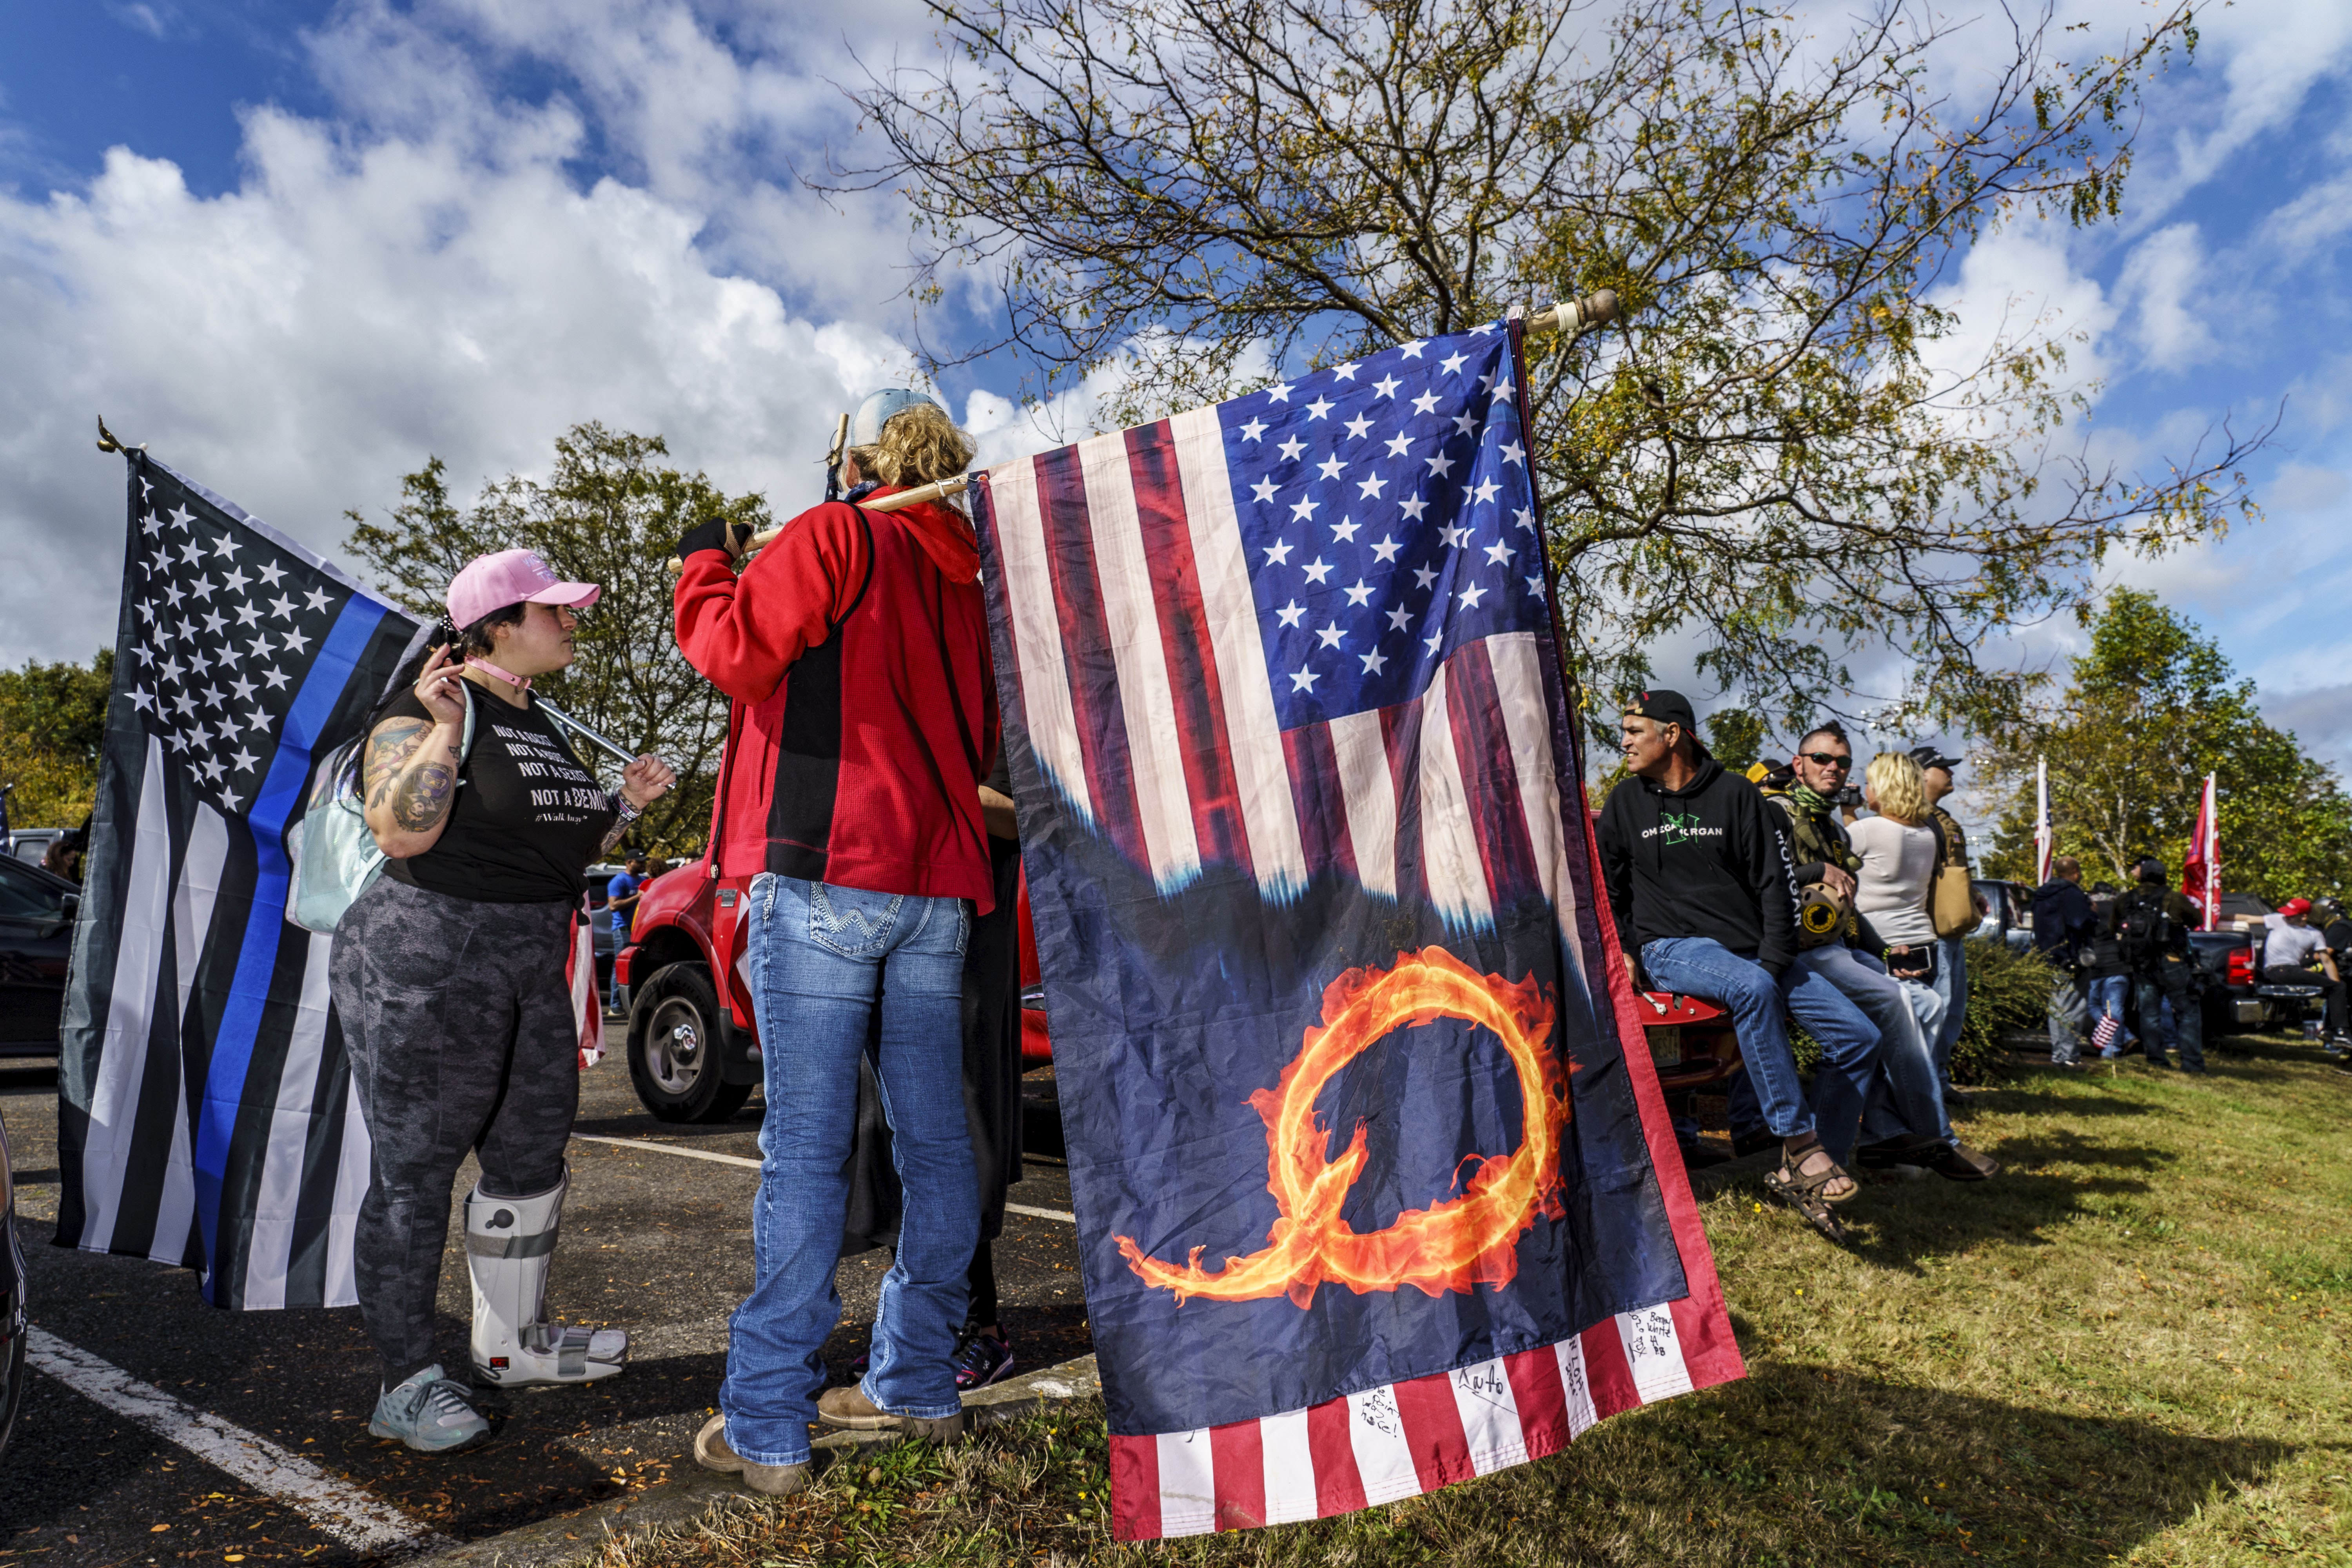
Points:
[(2200, 870)]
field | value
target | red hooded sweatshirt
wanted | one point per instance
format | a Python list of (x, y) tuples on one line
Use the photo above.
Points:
[(856, 648)]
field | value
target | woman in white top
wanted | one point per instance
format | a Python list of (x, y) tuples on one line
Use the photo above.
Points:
[(1899, 853)]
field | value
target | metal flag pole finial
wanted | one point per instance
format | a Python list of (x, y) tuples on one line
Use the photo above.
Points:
[(107, 441)]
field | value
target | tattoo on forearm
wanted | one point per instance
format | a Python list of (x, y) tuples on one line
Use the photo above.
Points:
[(389, 749), (422, 797), (402, 774), (618, 831)]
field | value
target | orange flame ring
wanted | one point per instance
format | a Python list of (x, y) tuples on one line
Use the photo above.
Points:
[(1454, 1244)]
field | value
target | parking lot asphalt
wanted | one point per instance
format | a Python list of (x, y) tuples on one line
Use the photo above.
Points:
[(653, 1241)]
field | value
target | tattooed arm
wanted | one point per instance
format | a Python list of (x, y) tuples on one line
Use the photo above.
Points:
[(643, 781), (411, 776)]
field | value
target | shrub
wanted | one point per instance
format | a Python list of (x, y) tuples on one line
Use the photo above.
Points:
[(2008, 991)]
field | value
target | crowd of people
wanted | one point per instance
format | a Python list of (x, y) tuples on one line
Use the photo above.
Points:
[(1768, 897), (865, 796), (2124, 955), (1769, 904)]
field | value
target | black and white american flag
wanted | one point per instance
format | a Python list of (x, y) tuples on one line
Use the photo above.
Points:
[(205, 1115)]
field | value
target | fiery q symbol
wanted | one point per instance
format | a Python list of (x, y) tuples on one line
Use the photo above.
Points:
[(1450, 1246)]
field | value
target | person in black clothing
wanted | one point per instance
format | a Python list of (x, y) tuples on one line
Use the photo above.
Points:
[(448, 980), (2062, 924), (1705, 899), (2152, 923), (2106, 978)]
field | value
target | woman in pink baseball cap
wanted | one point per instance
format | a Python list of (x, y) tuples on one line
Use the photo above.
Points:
[(448, 978)]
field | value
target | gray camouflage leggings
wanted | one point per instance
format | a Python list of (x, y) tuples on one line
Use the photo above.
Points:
[(460, 1033)]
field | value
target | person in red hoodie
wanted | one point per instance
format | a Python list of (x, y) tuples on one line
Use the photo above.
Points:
[(856, 649)]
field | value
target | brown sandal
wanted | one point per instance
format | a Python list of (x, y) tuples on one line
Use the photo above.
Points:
[(1805, 1194)]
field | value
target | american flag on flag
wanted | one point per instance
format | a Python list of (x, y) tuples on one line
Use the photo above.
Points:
[(1375, 1188), (206, 1116)]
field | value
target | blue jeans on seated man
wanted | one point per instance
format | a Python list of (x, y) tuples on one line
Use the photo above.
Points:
[(1769, 1091), (822, 960), (1906, 1097)]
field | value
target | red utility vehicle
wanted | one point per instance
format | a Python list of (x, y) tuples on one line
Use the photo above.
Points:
[(692, 1046)]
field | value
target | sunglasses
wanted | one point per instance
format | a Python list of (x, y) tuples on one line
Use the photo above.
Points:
[(1826, 760)]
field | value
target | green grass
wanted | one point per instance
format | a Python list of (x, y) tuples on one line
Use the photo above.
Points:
[(2127, 1348)]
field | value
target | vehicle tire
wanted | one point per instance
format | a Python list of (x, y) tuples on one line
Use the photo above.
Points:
[(674, 1048), (12, 1390)]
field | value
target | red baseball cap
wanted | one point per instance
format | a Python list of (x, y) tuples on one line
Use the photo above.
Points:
[(2294, 907), (491, 583)]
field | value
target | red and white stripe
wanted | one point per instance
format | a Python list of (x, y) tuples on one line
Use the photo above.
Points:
[(1402, 1439), (580, 974), (1147, 699)]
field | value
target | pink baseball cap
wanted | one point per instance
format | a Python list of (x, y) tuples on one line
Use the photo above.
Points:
[(491, 583)]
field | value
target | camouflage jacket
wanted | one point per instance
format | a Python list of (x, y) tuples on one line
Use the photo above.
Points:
[(1955, 842)]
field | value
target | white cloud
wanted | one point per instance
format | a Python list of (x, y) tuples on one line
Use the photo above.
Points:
[(302, 341), (2017, 286), (2166, 278)]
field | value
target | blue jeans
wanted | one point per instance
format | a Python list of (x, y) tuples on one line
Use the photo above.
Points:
[(1699, 966), (1907, 1098), (822, 958), (1952, 985), (2107, 993)]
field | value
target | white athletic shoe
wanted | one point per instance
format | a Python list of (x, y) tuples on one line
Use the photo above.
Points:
[(509, 1243)]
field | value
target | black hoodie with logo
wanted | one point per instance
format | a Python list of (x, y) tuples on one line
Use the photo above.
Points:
[(1703, 861)]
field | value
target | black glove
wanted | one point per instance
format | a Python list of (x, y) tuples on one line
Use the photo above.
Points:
[(710, 535)]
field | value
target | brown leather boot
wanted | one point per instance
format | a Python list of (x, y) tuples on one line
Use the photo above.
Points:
[(712, 1452), (849, 1408)]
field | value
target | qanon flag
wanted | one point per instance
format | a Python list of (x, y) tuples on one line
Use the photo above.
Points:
[(205, 1110), (1375, 1188)]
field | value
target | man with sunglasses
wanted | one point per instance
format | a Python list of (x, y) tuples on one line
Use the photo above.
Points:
[(1903, 1122)]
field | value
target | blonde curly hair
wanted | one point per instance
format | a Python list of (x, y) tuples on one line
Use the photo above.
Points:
[(918, 445)]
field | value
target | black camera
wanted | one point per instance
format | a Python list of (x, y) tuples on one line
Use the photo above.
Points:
[(1850, 795)]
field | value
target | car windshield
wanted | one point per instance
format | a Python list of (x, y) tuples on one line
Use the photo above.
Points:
[(26, 892)]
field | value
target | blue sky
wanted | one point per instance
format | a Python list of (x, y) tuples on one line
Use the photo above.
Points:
[(297, 246)]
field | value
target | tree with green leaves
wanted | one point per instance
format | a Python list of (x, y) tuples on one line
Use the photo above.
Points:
[(52, 730), (609, 513), (1785, 451), (1736, 737), (2151, 708)]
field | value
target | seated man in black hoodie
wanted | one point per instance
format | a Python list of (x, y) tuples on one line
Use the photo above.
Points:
[(1706, 903)]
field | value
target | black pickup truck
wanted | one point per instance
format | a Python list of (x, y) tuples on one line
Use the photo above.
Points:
[(2237, 999)]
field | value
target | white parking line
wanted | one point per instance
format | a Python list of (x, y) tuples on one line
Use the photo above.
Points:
[(1066, 1217), (341, 1510)]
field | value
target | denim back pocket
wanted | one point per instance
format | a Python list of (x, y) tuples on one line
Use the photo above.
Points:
[(859, 927)]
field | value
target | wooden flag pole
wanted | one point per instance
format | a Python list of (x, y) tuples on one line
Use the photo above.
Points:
[(1575, 317), (937, 491)]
